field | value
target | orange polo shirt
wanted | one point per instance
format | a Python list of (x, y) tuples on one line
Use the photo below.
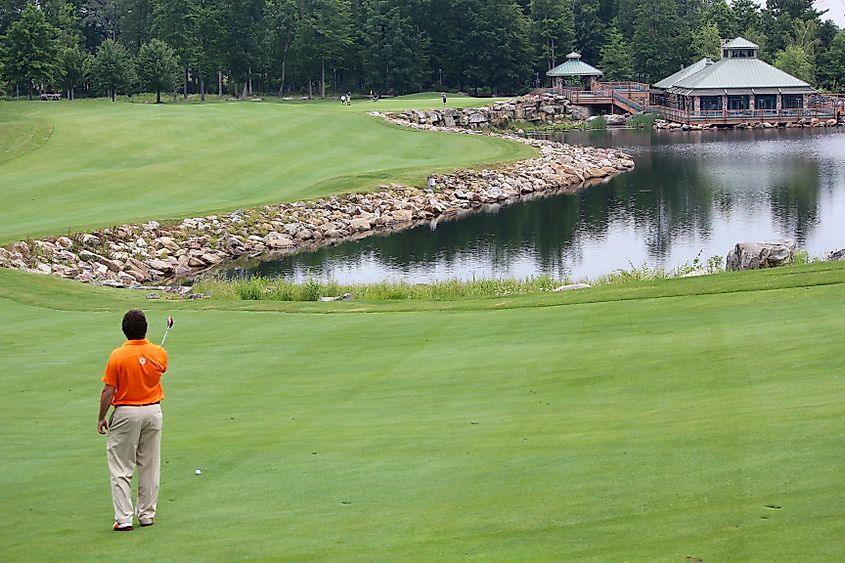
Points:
[(134, 370)]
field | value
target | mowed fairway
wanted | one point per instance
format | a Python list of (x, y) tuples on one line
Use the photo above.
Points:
[(655, 421), (637, 430), (73, 165)]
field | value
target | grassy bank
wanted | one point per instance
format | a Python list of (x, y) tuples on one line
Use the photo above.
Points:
[(107, 164)]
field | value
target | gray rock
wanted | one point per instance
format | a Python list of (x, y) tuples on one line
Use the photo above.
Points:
[(756, 255), (836, 254)]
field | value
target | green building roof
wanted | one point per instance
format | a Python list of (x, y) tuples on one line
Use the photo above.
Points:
[(739, 69), (740, 43), (739, 73), (670, 81), (574, 66)]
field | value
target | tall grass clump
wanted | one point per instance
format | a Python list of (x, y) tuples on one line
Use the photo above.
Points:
[(597, 124), (642, 120), (260, 288)]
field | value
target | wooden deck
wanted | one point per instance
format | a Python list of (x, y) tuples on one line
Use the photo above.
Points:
[(629, 97), (739, 117)]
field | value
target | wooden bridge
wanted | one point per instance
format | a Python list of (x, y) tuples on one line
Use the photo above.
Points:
[(630, 97)]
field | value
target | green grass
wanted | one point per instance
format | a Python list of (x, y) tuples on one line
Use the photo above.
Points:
[(644, 421), (110, 163), (638, 429)]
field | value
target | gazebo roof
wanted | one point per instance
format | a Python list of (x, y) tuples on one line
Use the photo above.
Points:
[(574, 66)]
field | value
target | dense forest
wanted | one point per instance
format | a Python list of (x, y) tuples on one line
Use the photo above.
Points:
[(311, 47)]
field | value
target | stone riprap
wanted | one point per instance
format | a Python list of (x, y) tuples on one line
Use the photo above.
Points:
[(803, 122), (538, 109), (159, 252)]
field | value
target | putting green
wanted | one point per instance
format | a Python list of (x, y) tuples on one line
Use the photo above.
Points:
[(108, 164)]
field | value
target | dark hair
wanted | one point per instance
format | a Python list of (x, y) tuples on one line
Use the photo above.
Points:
[(135, 324)]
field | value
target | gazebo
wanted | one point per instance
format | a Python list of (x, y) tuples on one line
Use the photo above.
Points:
[(574, 69)]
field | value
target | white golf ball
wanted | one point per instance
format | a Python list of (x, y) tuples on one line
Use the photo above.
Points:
[(198, 472)]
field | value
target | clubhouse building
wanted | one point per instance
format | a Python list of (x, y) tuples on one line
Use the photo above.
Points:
[(739, 88)]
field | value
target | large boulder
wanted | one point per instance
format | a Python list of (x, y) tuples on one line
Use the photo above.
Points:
[(756, 255), (836, 254)]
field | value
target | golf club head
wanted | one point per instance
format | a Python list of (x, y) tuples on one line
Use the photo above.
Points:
[(169, 322)]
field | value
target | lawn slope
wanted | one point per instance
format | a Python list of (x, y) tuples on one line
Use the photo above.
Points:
[(110, 163)]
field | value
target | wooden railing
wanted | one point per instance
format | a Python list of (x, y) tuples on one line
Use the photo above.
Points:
[(731, 116)]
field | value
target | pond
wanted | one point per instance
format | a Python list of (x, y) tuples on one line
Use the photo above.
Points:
[(692, 194)]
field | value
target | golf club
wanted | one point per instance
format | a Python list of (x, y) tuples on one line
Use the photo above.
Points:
[(169, 326)]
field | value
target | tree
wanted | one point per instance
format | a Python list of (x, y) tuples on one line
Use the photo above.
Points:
[(707, 42), (244, 19), (282, 21), (158, 67), (552, 31), (74, 66), (831, 64), (617, 61), (795, 61), (589, 29), (208, 24), (323, 36), (10, 12), (723, 17), (661, 39), (393, 54), (746, 15), (29, 49), (113, 68)]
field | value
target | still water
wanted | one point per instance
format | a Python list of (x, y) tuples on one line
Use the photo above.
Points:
[(691, 193)]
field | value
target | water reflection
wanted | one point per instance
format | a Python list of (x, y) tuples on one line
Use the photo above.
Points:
[(690, 192)]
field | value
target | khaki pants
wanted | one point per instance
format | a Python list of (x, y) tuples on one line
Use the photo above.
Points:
[(134, 441)]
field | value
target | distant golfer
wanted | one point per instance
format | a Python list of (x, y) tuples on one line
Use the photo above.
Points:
[(443, 96), (132, 383)]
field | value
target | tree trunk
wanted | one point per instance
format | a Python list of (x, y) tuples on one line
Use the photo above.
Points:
[(323, 79), (202, 88), (220, 83), (246, 86), (185, 84), (113, 95), (158, 96), (249, 81), (282, 85), (29, 87), (310, 89)]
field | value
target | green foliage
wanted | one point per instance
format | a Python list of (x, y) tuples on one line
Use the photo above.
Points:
[(661, 41), (393, 54), (797, 62), (707, 42), (74, 66), (617, 60), (552, 30), (599, 123), (29, 50), (113, 69), (158, 67), (642, 120), (260, 288), (831, 67)]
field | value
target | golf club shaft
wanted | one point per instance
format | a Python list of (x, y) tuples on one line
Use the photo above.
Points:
[(166, 331)]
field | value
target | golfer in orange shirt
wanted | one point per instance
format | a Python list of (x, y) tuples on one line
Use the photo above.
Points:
[(132, 384)]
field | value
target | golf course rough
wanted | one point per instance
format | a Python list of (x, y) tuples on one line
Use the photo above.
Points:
[(158, 251)]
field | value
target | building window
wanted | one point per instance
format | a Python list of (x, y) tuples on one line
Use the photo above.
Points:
[(711, 103), (737, 102), (792, 101), (765, 101)]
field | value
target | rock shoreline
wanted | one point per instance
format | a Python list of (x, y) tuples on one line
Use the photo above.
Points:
[(165, 252)]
